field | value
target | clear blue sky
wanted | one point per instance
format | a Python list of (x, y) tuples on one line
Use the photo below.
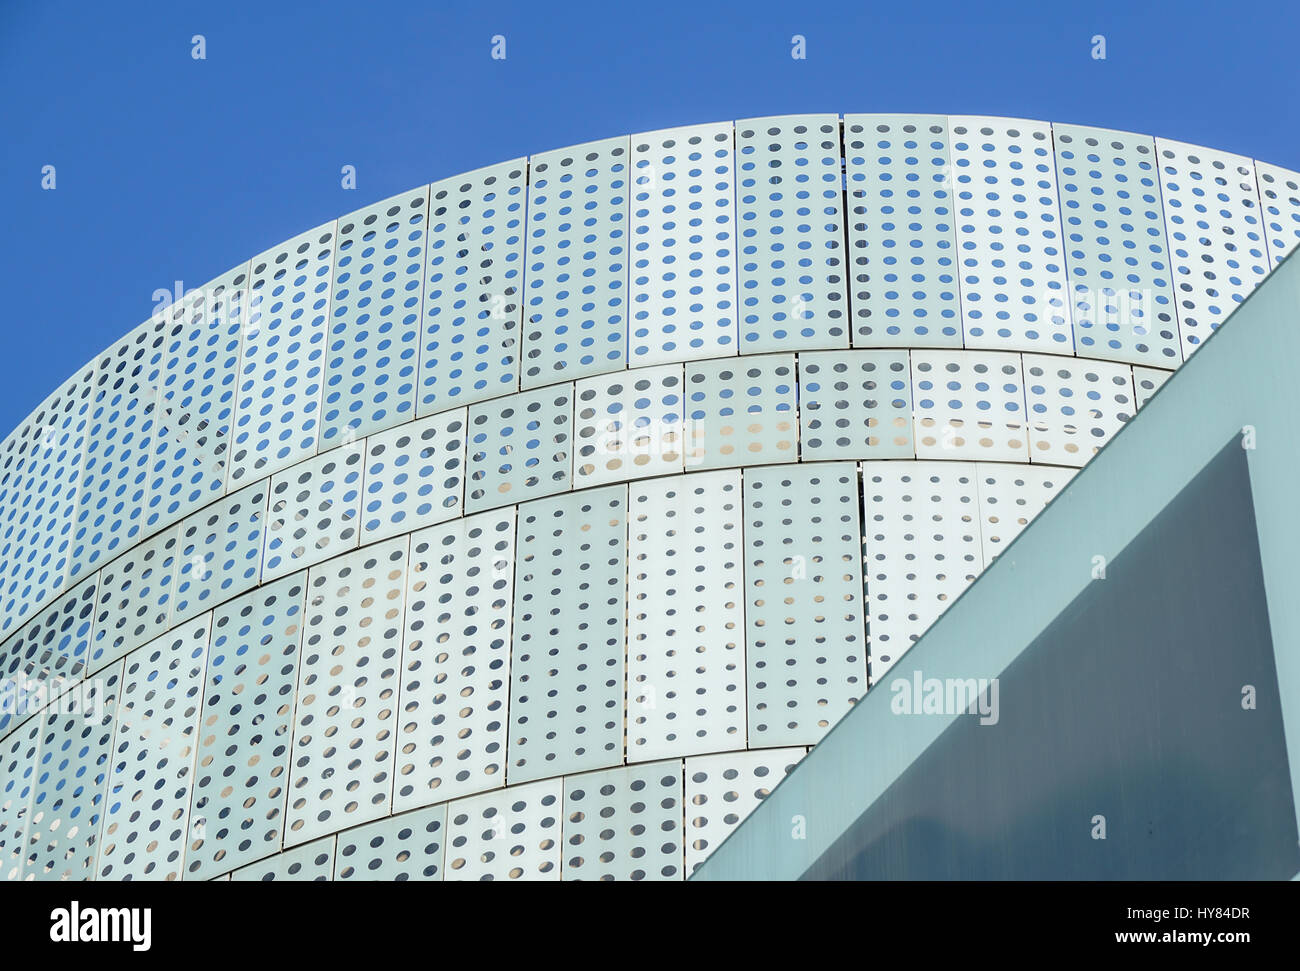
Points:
[(174, 169)]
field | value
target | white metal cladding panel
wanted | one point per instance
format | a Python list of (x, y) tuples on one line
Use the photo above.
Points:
[(220, 553), (969, 405), (315, 510), (374, 327), (805, 648), (1279, 194), (1115, 250), (921, 549), (575, 303), (509, 834), (741, 411), (473, 274), (520, 448), (18, 755), (1146, 382), (135, 593), (628, 425), (1215, 236), (1012, 272), (902, 236), (114, 488), (415, 476), (344, 726), (146, 816), (245, 729), (685, 624), (683, 245), (567, 665), (1010, 496), (791, 262), (54, 645), (456, 660), (282, 357), (406, 847), (624, 823), (195, 398), (1075, 406), (855, 405), (72, 773), (311, 861), (721, 790)]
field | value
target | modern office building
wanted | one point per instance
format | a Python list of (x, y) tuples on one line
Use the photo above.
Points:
[(537, 522)]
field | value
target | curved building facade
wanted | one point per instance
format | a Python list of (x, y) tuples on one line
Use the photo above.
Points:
[(533, 523)]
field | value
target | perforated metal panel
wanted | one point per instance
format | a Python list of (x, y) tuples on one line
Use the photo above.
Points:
[(1115, 252), (18, 755), (1279, 194), (1215, 236), (566, 682), (721, 790), (520, 448), (282, 357), (791, 262), (855, 405), (969, 404), (135, 593), (1074, 406), (311, 861), (628, 425), (741, 412), (510, 834), (456, 660), (146, 815), (1012, 273), (415, 476), (1146, 382), (220, 552), (406, 847), (685, 623), (245, 729), (921, 548), (1010, 496), (315, 511), (624, 824), (344, 726), (902, 236), (54, 645), (683, 245), (374, 330), (805, 650), (473, 275), (575, 307)]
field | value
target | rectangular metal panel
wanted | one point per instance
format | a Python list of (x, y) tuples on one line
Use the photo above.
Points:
[(415, 476), (575, 305), (510, 834), (456, 660), (237, 813), (135, 593), (969, 405), (790, 206), (315, 511), (1010, 496), (628, 425), (1013, 293), (53, 647), (1147, 381), (1116, 257), (806, 654), (855, 405), (374, 327), (625, 824), (683, 245), (220, 552), (276, 419), (921, 549), (741, 412), (902, 236), (344, 726), (1074, 406), (685, 622), (520, 447), (473, 274), (1279, 194), (406, 847), (310, 862), (147, 812), (567, 664), (18, 755)]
